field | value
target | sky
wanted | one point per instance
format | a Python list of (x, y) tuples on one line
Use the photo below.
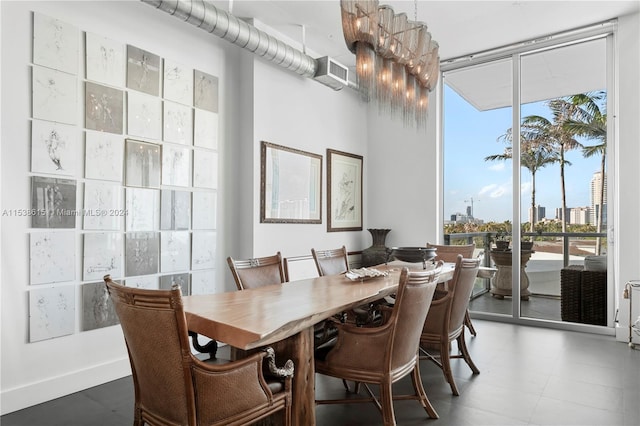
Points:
[(471, 135)]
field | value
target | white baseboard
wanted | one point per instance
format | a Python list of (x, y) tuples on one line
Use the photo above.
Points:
[(42, 391)]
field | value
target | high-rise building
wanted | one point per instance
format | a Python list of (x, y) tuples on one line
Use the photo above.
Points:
[(597, 183), (540, 214), (580, 215)]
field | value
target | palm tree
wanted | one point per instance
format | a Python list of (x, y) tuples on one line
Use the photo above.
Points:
[(554, 135), (533, 157), (590, 122)]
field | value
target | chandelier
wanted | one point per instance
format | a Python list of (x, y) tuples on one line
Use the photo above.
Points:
[(397, 62)]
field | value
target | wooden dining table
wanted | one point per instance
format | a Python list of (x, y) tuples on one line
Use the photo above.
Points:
[(283, 316)]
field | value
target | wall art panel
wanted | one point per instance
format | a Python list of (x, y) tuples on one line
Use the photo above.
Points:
[(54, 95), (53, 202), (104, 60), (176, 162), (141, 253), (166, 281), (142, 207), (52, 257), (97, 309), (104, 156), (150, 282), (205, 91), (144, 116), (104, 108), (102, 256), (205, 169), (205, 131), (175, 209), (178, 82), (203, 282), (204, 209), (54, 148), (102, 206), (175, 251), (143, 164), (203, 250), (143, 71), (55, 43), (52, 312), (178, 123)]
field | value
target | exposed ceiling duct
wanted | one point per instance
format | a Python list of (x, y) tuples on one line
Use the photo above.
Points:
[(206, 16)]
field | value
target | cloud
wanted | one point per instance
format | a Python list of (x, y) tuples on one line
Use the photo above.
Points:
[(494, 191), (498, 167)]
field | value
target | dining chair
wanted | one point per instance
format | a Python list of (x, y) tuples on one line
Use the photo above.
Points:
[(445, 320), (450, 254), (331, 262), (172, 386), (257, 272), (384, 354)]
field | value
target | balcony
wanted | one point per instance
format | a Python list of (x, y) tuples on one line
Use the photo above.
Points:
[(551, 253)]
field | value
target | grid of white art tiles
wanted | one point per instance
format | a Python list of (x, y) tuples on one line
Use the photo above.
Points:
[(124, 153)]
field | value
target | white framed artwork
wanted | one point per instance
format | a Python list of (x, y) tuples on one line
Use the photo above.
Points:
[(52, 257), (176, 162), (175, 251), (54, 148), (143, 71), (205, 169), (150, 282), (52, 312), (143, 164), (178, 82), (54, 95), (142, 206), (205, 129), (178, 123), (104, 108), (55, 43), (53, 202), (142, 255), (205, 88), (204, 209), (175, 209), (167, 281), (104, 156), (102, 255), (97, 308), (104, 60), (203, 282), (203, 250), (102, 206), (144, 116)]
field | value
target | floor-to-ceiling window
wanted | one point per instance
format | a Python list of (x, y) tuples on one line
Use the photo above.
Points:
[(535, 174)]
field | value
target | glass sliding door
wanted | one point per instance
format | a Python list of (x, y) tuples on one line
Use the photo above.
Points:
[(528, 185), (563, 156), (478, 188)]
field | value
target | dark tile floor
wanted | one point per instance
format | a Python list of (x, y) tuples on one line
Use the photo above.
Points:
[(529, 376)]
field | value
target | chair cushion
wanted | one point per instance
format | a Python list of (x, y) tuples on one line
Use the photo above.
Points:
[(595, 263)]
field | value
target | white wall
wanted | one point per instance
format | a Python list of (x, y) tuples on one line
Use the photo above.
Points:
[(35, 372), (627, 157)]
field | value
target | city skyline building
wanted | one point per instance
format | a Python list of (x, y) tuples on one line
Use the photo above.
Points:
[(596, 192)]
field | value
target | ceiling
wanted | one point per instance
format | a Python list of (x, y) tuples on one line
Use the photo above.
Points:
[(460, 27)]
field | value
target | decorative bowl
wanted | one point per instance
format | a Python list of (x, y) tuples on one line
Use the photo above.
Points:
[(413, 254)]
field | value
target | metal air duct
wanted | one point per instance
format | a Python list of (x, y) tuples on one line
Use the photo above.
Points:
[(206, 16)]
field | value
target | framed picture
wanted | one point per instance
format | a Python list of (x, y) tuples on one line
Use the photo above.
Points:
[(290, 185), (344, 191), (143, 164)]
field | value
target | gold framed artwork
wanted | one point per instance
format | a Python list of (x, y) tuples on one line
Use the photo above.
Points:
[(290, 185), (344, 191)]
